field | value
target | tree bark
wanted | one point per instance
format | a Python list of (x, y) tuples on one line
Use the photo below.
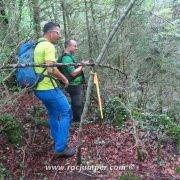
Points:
[(95, 29), (64, 19), (36, 17), (88, 29)]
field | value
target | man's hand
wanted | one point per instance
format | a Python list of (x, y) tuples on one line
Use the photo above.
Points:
[(85, 62), (66, 83), (57, 74)]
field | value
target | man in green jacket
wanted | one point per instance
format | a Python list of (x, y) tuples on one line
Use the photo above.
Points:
[(75, 76)]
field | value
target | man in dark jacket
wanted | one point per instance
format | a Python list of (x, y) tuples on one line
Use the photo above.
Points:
[(75, 76)]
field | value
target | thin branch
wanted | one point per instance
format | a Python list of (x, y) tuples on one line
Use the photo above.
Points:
[(9, 66), (161, 18)]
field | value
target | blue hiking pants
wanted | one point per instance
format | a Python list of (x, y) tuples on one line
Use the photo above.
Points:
[(60, 116)]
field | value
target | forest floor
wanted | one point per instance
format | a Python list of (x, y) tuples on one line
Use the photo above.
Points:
[(107, 153)]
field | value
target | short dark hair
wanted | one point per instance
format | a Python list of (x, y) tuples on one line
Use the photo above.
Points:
[(50, 26), (67, 43)]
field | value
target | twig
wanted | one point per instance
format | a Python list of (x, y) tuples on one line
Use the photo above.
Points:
[(12, 72), (23, 161), (161, 18), (113, 68)]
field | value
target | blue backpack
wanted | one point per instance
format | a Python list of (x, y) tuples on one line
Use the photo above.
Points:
[(26, 76)]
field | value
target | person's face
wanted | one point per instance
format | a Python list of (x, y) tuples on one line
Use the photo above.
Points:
[(55, 34), (73, 47)]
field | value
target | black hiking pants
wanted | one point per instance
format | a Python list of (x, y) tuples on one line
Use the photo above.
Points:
[(76, 95)]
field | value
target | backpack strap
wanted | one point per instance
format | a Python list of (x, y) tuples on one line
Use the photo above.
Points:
[(41, 77), (41, 40), (65, 54)]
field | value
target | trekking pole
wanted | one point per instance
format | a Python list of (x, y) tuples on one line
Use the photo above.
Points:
[(96, 82)]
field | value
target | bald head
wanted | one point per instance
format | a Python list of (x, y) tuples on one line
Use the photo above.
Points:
[(69, 43), (71, 46)]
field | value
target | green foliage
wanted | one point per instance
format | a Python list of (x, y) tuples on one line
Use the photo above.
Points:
[(38, 116), (148, 5), (115, 111), (173, 111), (41, 122), (3, 172), (177, 169), (11, 128), (160, 123), (165, 12)]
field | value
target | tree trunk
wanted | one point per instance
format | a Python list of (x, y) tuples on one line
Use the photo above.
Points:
[(36, 17), (95, 31), (88, 29), (20, 6), (64, 19)]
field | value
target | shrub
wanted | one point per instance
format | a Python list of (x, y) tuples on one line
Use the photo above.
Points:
[(11, 128), (115, 111), (161, 124)]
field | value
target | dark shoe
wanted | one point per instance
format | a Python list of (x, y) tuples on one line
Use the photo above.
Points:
[(68, 152)]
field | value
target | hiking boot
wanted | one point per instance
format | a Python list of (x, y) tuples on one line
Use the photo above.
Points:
[(68, 152)]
